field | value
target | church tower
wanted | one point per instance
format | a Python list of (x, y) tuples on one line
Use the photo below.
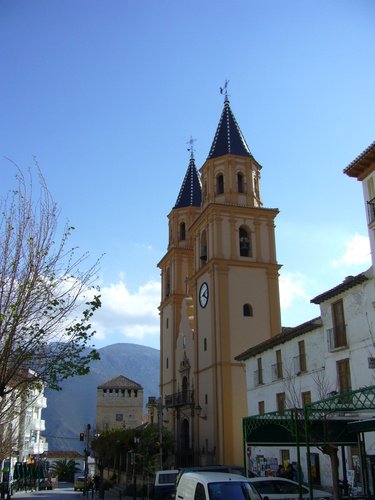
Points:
[(220, 297)]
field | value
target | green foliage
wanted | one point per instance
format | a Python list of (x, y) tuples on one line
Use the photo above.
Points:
[(64, 469), (144, 442)]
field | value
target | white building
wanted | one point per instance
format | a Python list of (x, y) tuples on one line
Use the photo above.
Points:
[(331, 354), (31, 424)]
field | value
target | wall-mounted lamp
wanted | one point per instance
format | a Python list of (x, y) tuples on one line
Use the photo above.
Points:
[(198, 411)]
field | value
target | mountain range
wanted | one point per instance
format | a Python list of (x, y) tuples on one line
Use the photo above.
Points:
[(70, 410)]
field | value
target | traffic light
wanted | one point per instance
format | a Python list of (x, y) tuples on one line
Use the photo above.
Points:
[(81, 436)]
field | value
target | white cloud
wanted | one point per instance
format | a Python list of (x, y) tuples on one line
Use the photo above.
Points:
[(132, 315), (292, 288), (357, 252)]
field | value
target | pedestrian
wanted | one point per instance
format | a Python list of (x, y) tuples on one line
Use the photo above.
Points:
[(280, 471), (290, 472)]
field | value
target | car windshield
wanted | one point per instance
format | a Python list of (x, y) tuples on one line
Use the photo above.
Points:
[(231, 490)]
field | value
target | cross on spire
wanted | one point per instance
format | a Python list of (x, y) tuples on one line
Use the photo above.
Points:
[(224, 90), (191, 148)]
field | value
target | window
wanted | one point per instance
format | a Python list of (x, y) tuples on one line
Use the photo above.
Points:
[(337, 335), (277, 369), (206, 399), (240, 183), (168, 283), (182, 231), (343, 375), (119, 417), (199, 494), (261, 407), (371, 200), (203, 255), (258, 374), (167, 363), (306, 398), (244, 243), (220, 184), (280, 402), (247, 310), (301, 356), (205, 344)]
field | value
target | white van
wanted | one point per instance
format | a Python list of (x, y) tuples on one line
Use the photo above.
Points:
[(215, 485)]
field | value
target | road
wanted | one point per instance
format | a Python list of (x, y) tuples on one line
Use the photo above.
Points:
[(64, 491)]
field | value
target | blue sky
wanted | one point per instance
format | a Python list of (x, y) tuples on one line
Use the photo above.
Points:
[(106, 95)]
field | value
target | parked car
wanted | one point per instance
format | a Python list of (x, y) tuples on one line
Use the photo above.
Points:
[(165, 484), (215, 485), (79, 483), (278, 488)]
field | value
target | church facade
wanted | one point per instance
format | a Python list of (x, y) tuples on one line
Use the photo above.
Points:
[(220, 296)]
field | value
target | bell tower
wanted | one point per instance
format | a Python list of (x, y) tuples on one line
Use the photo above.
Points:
[(221, 289), (235, 281)]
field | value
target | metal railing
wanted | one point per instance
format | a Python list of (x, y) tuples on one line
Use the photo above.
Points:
[(181, 398), (299, 363), (336, 337), (277, 371), (258, 377)]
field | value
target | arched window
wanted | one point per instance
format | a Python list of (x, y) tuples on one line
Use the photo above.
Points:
[(245, 245), (247, 310), (240, 183), (220, 184), (168, 283), (203, 254), (182, 231)]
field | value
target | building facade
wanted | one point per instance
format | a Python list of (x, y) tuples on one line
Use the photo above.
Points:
[(220, 295), (119, 404), (329, 355)]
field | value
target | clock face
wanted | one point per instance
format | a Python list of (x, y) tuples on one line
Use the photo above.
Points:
[(203, 294)]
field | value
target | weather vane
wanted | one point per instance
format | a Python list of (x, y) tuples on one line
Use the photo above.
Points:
[(224, 90), (191, 147)]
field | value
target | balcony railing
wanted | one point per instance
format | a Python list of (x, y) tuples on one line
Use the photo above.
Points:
[(258, 377), (277, 371), (336, 337), (182, 398), (38, 425), (299, 363)]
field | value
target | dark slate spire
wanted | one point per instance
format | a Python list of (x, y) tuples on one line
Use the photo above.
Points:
[(191, 192), (228, 138)]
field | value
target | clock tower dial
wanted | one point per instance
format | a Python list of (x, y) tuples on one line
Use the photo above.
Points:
[(203, 294)]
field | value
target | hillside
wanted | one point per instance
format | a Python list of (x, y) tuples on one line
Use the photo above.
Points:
[(70, 410)]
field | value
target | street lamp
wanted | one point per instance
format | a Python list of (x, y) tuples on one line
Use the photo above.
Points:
[(198, 412)]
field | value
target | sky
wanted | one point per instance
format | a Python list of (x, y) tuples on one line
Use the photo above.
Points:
[(106, 95)]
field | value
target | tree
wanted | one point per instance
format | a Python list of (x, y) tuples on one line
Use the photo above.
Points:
[(47, 297), (64, 469)]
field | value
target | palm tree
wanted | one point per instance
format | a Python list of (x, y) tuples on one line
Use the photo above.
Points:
[(64, 469)]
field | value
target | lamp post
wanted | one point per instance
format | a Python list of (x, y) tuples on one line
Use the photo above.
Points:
[(86, 458), (136, 442)]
